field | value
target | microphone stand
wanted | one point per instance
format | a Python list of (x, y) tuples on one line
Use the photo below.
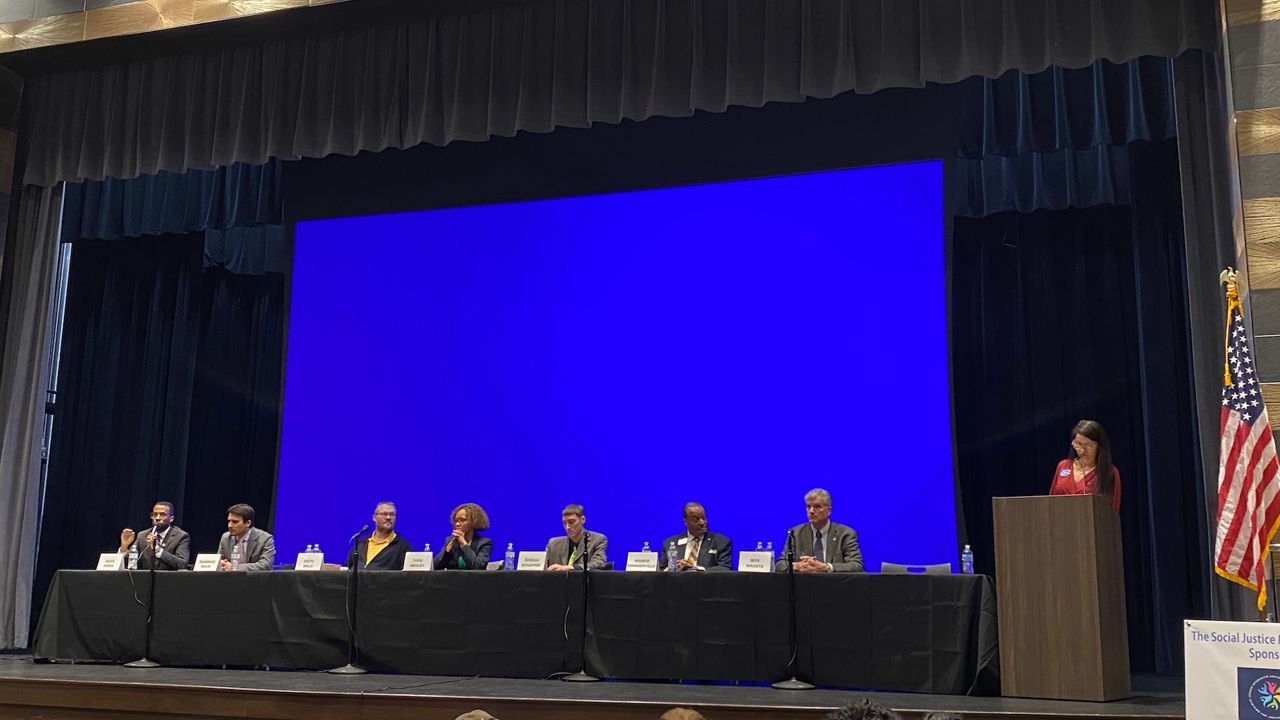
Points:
[(144, 662), (793, 683), (582, 675), (353, 566)]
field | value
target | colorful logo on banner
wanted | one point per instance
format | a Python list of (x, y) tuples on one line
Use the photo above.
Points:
[(1259, 692)]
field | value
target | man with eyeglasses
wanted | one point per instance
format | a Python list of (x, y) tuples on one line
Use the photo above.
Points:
[(384, 549), (164, 544)]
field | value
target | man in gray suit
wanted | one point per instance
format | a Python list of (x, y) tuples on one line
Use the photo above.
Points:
[(567, 553), (821, 545), (243, 546)]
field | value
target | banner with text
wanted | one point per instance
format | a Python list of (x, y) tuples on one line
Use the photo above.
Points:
[(1232, 670)]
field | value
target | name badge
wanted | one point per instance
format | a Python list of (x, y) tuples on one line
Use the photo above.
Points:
[(753, 561), (206, 562), (418, 562), (642, 562), (111, 561), (532, 560), (309, 561)]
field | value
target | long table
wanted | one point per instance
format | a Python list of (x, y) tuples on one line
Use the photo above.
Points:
[(919, 633)]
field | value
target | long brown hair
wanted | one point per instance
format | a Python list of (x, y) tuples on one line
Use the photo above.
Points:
[(1105, 471)]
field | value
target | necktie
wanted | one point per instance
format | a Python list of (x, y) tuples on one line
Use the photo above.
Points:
[(818, 553), (573, 556), (693, 550)]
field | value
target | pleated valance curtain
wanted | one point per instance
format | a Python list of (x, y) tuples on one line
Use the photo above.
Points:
[(542, 64), (173, 203), (1059, 138)]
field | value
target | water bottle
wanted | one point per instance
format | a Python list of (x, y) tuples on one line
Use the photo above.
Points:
[(427, 548), (509, 560), (317, 550), (769, 549), (966, 561), (759, 546), (235, 556), (310, 549), (672, 556), (133, 556), (646, 547)]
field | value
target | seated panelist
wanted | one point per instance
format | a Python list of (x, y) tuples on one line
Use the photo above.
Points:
[(466, 548), (243, 546), (385, 548), (164, 545), (697, 549), (567, 552), (821, 545)]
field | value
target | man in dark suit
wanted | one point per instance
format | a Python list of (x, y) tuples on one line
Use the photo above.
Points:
[(821, 545), (697, 548), (567, 552), (164, 544), (384, 549), (243, 546)]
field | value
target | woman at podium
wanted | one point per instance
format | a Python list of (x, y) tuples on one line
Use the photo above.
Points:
[(466, 549), (1088, 469)]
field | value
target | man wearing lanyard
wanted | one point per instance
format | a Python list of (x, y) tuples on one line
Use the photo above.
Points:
[(567, 553), (243, 546), (164, 543)]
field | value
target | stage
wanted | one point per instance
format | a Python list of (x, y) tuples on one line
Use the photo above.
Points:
[(80, 691)]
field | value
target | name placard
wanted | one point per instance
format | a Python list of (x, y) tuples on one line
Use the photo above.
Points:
[(642, 562), (111, 561), (418, 562), (309, 561), (206, 562), (755, 561), (532, 560)]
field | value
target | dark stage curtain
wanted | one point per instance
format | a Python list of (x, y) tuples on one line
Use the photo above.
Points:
[(1043, 181), (169, 388), (171, 203), (1105, 103), (1081, 313), (1058, 138), (396, 81)]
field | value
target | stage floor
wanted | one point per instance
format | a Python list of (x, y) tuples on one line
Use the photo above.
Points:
[(53, 691)]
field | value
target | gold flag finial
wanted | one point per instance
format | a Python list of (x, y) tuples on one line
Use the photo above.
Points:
[(1232, 279)]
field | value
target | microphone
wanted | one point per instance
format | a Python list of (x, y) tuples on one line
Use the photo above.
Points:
[(359, 532), (791, 546), (586, 536)]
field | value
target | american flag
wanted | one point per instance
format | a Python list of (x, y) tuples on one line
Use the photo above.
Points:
[(1248, 489)]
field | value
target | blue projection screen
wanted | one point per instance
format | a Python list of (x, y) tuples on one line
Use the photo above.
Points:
[(734, 344)]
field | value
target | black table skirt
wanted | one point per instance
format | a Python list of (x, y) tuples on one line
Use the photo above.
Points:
[(919, 633)]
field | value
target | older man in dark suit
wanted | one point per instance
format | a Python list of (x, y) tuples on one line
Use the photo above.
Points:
[(697, 549), (821, 545)]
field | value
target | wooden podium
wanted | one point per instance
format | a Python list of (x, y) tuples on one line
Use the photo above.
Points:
[(1060, 590)]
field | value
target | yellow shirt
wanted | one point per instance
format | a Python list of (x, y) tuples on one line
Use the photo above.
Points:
[(375, 546)]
